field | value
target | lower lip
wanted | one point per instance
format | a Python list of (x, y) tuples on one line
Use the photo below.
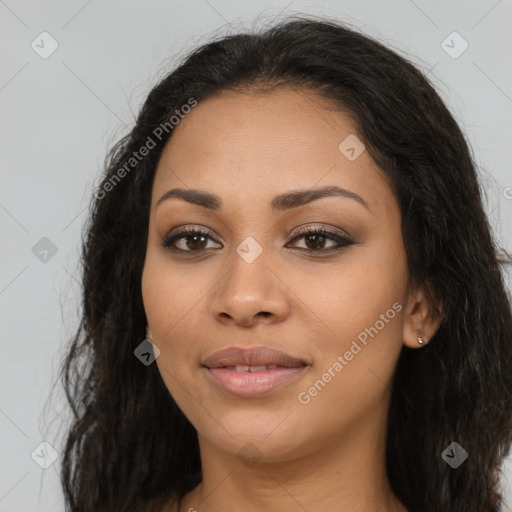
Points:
[(253, 384)]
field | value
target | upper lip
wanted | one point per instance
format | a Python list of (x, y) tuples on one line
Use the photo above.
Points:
[(255, 356)]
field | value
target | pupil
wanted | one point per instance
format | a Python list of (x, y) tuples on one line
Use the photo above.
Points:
[(194, 241), (317, 240)]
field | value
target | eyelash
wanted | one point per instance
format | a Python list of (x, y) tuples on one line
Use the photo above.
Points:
[(343, 242)]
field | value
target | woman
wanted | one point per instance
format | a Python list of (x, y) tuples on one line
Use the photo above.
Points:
[(295, 226)]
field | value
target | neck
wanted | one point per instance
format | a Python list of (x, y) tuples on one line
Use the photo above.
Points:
[(347, 474)]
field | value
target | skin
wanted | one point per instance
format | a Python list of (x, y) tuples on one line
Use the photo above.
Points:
[(247, 148)]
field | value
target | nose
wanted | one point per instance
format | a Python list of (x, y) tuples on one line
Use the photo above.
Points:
[(251, 293)]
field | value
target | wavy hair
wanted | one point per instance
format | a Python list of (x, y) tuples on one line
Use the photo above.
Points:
[(131, 448)]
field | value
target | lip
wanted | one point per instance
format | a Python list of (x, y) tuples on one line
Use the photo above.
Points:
[(221, 370), (254, 356)]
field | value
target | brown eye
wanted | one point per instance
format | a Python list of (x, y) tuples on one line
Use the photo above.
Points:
[(189, 240), (316, 238)]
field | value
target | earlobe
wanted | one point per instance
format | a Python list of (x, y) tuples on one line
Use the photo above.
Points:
[(421, 320), (148, 332)]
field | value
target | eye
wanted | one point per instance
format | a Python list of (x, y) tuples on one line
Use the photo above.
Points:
[(190, 239), (315, 239)]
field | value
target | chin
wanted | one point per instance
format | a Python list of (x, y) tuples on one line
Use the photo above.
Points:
[(261, 436), (256, 448)]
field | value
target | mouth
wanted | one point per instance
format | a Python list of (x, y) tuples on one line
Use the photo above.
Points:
[(254, 372)]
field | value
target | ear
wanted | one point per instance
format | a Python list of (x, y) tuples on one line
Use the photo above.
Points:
[(148, 333), (422, 317)]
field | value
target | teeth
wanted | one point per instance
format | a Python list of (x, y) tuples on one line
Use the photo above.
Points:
[(244, 368)]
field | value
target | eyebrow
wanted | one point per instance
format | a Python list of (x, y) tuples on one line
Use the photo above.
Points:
[(279, 203)]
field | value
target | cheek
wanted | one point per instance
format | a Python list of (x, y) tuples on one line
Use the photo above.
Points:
[(345, 299), (360, 319), (169, 301), (168, 294), (166, 312)]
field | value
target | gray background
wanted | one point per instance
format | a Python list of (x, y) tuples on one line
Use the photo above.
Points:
[(60, 115)]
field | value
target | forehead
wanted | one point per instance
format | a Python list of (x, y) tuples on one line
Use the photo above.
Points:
[(259, 144)]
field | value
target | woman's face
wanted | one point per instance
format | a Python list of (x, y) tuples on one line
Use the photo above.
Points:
[(255, 277)]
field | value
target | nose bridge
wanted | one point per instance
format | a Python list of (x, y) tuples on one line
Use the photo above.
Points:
[(250, 287), (248, 276)]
